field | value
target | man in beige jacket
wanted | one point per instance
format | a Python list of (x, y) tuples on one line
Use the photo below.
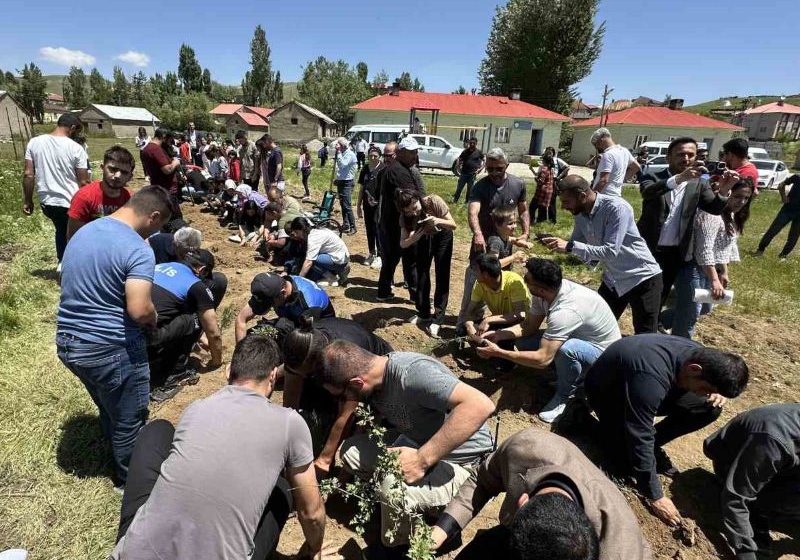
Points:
[(558, 506)]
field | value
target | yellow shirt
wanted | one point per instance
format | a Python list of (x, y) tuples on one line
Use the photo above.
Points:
[(512, 296)]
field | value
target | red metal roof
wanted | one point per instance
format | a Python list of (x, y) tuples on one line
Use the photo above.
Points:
[(775, 108), (226, 109), (658, 116), (454, 103), (252, 119), (261, 111)]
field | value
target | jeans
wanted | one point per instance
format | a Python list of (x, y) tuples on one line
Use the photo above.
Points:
[(645, 302), (305, 173), (320, 268), (682, 318), (436, 250), (467, 179), (572, 360), (118, 380), (58, 215), (345, 190), (785, 217), (371, 225), (152, 449)]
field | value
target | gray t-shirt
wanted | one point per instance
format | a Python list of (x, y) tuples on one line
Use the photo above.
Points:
[(228, 452), (414, 399), (580, 313)]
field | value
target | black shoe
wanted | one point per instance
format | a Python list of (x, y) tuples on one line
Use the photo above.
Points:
[(161, 394), (188, 376), (344, 276), (664, 463)]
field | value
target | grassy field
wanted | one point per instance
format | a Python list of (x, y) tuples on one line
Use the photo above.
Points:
[(55, 497)]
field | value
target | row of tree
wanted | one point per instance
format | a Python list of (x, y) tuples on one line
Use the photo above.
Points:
[(545, 65)]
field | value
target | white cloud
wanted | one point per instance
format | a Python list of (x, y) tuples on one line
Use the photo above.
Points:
[(66, 57), (136, 58)]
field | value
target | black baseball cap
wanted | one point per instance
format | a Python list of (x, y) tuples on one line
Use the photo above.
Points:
[(264, 289)]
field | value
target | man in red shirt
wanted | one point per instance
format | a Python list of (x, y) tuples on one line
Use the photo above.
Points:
[(104, 197), (734, 154), (159, 163)]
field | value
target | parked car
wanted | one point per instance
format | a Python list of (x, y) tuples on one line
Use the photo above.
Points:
[(757, 153), (434, 151), (658, 148), (771, 172), (655, 164)]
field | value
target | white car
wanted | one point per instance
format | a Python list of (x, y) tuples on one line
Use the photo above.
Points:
[(655, 165), (771, 173), (435, 151)]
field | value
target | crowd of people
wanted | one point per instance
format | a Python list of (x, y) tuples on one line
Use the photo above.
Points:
[(139, 295)]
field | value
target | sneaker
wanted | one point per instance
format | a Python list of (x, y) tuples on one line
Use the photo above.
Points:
[(328, 280), (664, 463), (188, 376), (344, 275), (553, 409), (235, 239), (376, 263), (369, 260), (782, 258), (58, 268), (390, 297), (161, 394), (433, 330), (414, 320)]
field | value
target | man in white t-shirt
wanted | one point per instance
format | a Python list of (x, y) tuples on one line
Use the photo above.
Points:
[(57, 165), (327, 260), (580, 326), (617, 165)]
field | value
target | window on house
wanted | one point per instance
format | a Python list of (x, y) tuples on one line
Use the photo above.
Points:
[(640, 139), (100, 126), (294, 120), (503, 135), (467, 133)]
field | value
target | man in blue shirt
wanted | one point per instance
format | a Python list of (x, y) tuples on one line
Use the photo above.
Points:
[(345, 176), (605, 232), (106, 282), (292, 297)]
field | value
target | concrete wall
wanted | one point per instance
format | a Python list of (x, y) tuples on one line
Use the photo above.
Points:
[(307, 126), (764, 126), (235, 124), (17, 116), (519, 140), (626, 135)]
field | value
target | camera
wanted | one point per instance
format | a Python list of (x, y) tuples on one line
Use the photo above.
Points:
[(715, 167)]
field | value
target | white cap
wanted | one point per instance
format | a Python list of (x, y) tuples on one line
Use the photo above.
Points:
[(230, 184), (408, 143)]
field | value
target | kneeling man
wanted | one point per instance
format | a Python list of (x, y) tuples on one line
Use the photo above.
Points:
[(558, 504), (436, 424), (580, 326)]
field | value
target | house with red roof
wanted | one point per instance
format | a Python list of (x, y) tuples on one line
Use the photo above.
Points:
[(519, 128), (639, 124), (767, 122), (235, 117)]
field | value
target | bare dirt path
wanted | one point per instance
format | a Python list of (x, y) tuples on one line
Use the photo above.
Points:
[(774, 361)]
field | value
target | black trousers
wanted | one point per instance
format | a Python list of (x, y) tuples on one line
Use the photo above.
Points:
[(491, 543), (391, 256), (152, 449), (218, 285), (371, 225), (361, 157), (784, 217), (686, 414), (436, 250), (670, 261), (645, 302), (169, 345), (58, 215)]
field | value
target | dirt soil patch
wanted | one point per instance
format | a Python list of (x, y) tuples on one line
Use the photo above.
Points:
[(773, 358)]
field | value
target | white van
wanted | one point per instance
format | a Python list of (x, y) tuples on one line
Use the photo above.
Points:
[(434, 151), (660, 148)]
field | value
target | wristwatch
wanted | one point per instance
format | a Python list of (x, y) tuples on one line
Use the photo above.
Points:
[(570, 245)]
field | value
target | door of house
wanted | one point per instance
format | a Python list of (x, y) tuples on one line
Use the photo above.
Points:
[(535, 148)]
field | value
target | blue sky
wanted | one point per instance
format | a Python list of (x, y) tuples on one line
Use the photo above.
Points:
[(697, 50)]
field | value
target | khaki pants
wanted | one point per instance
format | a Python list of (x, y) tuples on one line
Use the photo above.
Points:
[(358, 455)]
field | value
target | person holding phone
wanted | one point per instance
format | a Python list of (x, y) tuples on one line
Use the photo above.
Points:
[(426, 223)]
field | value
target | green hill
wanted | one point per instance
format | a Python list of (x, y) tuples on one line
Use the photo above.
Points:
[(55, 83), (738, 103)]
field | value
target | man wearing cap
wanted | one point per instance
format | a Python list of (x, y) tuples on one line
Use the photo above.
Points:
[(292, 297), (186, 310), (555, 498), (345, 178), (396, 175)]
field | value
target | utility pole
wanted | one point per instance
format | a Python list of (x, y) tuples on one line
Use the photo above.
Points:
[(606, 93)]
